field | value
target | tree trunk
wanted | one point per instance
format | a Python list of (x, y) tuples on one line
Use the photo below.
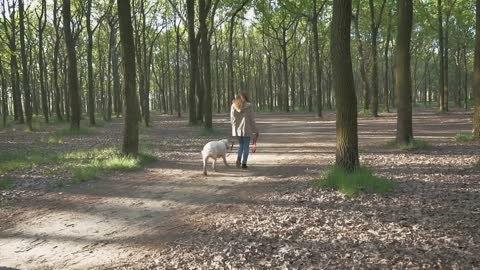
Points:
[(73, 86), (387, 44), (4, 95), (177, 69), (363, 73), (111, 47), (11, 33), (203, 14), (42, 19), (465, 74), (403, 87), (193, 61), (56, 53), (374, 32), (476, 77), (346, 125), (446, 91), (441, 93), (25, 72), (285, 100), (132, 112), (91, 94), (316, 53)]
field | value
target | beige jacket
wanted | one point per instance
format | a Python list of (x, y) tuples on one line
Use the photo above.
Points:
[(243, 121)]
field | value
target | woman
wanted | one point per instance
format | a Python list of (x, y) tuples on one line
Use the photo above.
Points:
[(242, 117)]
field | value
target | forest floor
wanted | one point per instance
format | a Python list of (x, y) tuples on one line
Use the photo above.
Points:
[(170, 216)]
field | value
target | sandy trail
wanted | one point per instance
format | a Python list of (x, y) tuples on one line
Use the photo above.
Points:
[(126, 217)]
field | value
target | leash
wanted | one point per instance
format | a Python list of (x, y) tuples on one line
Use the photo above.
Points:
[(254, 143)]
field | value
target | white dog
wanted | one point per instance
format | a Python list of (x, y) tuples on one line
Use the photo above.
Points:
[(216, 149)]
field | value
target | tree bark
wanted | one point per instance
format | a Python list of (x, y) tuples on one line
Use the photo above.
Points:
[(132, 112), (204, 8), (25, 71), (346, 125), (91, 94), (441, 93), (193, 61), (4, 95), (403, 87), (177, 69), (374, 25), (11, 33), (446, 91), (56, 54), (387, 45), (42, 20), (476, 76), (465, 74), (363, 73), (316, 52), (73, 86)]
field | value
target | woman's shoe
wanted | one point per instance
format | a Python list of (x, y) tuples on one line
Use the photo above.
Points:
[(238, 164), (244, 166)]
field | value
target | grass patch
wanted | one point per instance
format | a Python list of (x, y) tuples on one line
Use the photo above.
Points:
[(352, 184), (6, 184), (73, 132), (211, 132), (84, 165), (464, 137), (88, 165), (23, 160), (85, 173), (127, 163), (51, 140), (365, 113), (413, 146)]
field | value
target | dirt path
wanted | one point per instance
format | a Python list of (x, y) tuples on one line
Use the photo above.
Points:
[(129, 218)]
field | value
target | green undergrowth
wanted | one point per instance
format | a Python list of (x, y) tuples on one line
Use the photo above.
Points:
[(464, 137), (417, 144), (22, 160), (364, 113), (84, 165), (89, 165), (353, 184), (73, 132), (6, 184)]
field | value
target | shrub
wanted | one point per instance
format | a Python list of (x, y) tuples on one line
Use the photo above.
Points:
[(464, 137), (352, 184), (6, 184), (413, 146)]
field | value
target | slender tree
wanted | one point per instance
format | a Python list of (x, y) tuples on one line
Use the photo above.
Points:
[(476, 78), (361, 53), (231, 30), (193, 60), (56, 54), (42, 23), (374, 25), (10, 31), (25, 70), (403, 87), (4, 95), (346, 101), (73, 86), (441, 51), (132, 111), (204, 8)]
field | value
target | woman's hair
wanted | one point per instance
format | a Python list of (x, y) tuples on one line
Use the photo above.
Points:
[(241, 100)]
